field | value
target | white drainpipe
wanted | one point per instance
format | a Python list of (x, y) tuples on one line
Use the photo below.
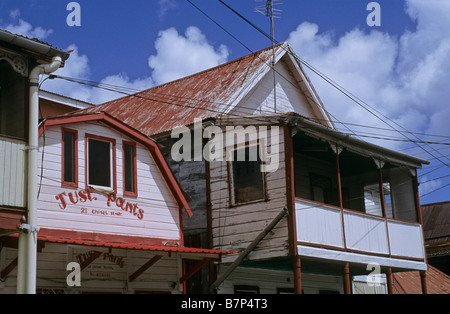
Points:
[(26, 277)]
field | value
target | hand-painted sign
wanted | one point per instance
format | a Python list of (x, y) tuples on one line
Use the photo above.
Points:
[(112, 202)]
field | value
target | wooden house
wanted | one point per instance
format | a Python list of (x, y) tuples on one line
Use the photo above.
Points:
[(108, 209), (327, 207), (108, 202)]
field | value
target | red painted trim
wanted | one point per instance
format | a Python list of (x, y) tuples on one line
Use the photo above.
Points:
[(180, 217), (135, 192), (88, 136), (290, 189), (161, 162), (341, 202), (64, 183)]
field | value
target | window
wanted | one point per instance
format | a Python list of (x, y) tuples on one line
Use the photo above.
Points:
[(69, 158), (247, 177), (243, 289), (100, 162), (129, 169), (372, 199)]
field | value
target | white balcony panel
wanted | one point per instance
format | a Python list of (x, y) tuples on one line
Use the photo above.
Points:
[(365, 233), (318, 224), (406, 239), (12, 172)]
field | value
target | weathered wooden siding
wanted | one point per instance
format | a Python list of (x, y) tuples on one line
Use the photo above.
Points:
[(160, 212), (235, 227), (289, 96), (109, 273), (279, 281)]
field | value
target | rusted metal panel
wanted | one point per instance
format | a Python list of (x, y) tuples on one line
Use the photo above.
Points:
[(178, 103), (436, 223)]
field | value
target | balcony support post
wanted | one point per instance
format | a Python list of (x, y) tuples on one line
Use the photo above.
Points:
[(347, 281), (297, 266), (423, 281)]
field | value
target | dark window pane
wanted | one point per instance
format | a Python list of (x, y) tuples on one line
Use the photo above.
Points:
[(247, 178), (69, 157), (129, 167), (99, 163)]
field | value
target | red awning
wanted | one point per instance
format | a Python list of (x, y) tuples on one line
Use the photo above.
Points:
[(157, 248)]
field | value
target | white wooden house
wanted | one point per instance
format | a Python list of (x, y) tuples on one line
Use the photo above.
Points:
[(108, 202), (331, 207)]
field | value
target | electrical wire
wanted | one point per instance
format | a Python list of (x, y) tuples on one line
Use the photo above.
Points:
[(355, 99)]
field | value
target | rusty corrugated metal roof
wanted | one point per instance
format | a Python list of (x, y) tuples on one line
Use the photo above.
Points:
[(436, 224), (202, 95), (410, 282)]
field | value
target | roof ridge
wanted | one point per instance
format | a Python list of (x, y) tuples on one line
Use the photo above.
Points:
[(196, 74)]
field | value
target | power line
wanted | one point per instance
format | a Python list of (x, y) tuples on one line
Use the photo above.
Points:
[(335, 85), (435, 190)]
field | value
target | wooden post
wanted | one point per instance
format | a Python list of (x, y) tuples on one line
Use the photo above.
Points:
[(390, 289), (347, 285), (297, 267), (423, 280)]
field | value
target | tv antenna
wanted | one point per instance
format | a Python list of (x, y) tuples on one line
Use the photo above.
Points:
[(269, 11)]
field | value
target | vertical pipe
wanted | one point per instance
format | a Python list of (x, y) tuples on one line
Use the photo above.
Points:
[(21, 268), (27, 258), (31, 235)]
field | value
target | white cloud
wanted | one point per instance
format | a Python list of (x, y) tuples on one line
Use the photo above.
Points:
[(165, 6), (19, 26), (121, 82), (178, 56), (404, 78)]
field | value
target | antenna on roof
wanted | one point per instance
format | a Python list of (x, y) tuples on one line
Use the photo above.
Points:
[(269, 10)]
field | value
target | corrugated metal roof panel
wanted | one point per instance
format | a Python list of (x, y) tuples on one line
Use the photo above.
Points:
[(410, 282), (436, 223), (160, 248), (202, 95)]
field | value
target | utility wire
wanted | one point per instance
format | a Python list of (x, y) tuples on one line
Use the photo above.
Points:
[(335, 85)]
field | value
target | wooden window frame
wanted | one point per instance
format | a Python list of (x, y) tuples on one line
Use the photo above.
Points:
[(113, 178), (63, 182), (232, 201), (134, 161)]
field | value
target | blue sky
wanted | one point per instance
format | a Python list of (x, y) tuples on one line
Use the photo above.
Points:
[(401, 68)]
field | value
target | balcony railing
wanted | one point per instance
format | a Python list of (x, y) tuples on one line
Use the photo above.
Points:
[(331, 227), (12, 172)]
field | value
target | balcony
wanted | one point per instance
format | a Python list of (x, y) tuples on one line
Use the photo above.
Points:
[(12, 172), (358, 235), (355, 205)]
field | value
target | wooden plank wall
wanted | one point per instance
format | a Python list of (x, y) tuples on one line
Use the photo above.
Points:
[(160, 211), (109, 273), (235, 227), (280, 281)]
